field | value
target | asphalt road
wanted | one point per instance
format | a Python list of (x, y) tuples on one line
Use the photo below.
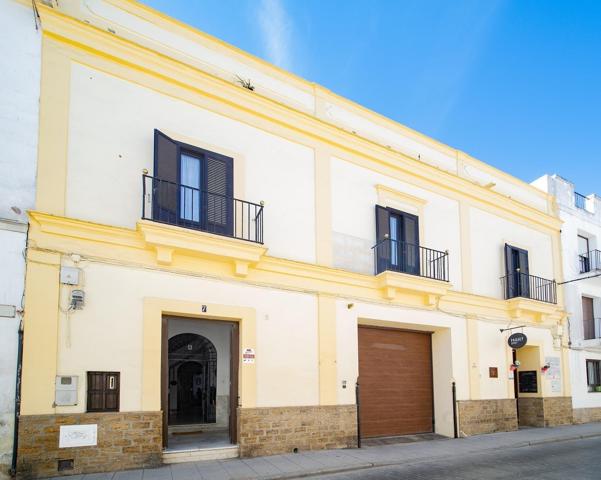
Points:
[(571, 460)]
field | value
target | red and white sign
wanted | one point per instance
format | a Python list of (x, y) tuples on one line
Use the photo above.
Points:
[(248, 355)]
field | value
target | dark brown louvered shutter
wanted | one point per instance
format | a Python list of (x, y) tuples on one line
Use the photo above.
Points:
[(218, 201), (166, 177), (588, 318), (382, 254), (103, 392), (410, 253)]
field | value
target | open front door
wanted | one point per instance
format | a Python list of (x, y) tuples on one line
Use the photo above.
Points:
[(234, 368)]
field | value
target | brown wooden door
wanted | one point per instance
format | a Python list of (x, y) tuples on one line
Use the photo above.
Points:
[(588, 318), (234, 368), (395, 382)]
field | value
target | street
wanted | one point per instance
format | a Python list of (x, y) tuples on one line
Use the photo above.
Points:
[(573, 460)]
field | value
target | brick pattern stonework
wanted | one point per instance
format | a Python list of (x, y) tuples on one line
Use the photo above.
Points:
[(558, 411), (125, 440), (269, 431), (531, 412), (545, 412), (587, 415), (476, 417)]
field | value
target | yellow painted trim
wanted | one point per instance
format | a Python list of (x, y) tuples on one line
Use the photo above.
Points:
[(40, 347), (126, 247), (123, 59), (473, 355), (328, 374), (168, 240), (155, 308)]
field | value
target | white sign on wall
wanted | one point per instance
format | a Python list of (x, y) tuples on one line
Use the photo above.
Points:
[(553, 374), (78, 436), (248, 355)]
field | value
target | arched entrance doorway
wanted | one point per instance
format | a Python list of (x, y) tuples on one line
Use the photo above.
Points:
[(192, 380)]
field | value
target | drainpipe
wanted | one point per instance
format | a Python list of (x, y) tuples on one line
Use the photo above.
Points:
[(13, 468), (454, 392), (358, 415)]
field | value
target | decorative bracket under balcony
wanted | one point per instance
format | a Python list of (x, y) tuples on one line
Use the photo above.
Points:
[(392, 283), (168, 240), (535, 310)]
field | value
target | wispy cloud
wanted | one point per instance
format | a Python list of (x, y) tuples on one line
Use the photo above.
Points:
[(276, 32)]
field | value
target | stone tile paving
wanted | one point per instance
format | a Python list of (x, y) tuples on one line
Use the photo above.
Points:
[(329, 461)]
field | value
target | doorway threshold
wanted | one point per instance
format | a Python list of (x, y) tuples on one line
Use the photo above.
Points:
[(201, 454), (418, 437)]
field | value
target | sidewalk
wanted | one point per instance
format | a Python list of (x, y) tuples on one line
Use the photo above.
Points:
[(330, 461)]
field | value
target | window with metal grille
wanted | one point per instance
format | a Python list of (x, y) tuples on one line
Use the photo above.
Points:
[(103, 391), (593, 370)]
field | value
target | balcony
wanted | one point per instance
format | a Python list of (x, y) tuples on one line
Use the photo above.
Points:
[(524, 285), (590, 261), (188, 207), (403, 257), (579, 201)]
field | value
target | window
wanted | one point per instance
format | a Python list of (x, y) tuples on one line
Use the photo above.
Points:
[(103, 391), (593, 377), (397, 235), (584, 253), (517, 272), (588, 318), (192, 187)]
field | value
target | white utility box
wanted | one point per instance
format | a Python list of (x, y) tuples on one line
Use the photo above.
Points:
[(65, 390)]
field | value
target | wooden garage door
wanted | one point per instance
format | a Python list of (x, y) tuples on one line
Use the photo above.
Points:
[(395, 382)]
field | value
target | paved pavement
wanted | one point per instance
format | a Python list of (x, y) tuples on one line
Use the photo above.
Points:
[(573, 459), (369, 459)]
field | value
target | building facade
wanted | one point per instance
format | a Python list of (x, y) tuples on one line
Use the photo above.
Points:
[(263, 266), (20, 48), (581, 236)]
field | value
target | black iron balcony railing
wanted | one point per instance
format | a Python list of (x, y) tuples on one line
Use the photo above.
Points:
[(579, 201), (520, 284), (189, 207), (590, 261), (412, 259)]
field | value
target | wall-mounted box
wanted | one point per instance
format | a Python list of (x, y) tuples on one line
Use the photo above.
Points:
[(8, 311), (69, 275), (65, 390)]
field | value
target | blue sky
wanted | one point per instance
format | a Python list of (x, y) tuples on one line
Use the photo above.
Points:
[(515, 83)]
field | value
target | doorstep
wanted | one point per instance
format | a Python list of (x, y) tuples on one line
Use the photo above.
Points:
[(201, 454)]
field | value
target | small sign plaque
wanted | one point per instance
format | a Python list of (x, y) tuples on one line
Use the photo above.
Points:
[(493, 372), (517, 340), (78, 436), (248, 355)]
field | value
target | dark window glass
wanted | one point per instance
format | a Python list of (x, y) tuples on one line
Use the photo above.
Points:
[(593, 376)]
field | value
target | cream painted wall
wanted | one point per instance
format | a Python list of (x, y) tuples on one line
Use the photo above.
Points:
[(109, 148), (111, 321), (354, 197), (489, 233), (493, 352)]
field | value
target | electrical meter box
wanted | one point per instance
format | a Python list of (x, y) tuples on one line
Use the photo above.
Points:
[(65, 390), (69, 275)]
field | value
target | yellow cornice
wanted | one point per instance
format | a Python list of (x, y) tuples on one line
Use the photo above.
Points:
[(385, 193), (240, 103), (204, 254)]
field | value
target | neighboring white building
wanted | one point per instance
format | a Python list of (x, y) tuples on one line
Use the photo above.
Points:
[(581, 244), (20, 50)]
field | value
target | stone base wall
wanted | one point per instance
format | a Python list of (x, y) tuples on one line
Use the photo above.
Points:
[(269, 431), (476, 417), (558, 411), (531, 412), (125, 440), (545, 412), (587, 415)]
